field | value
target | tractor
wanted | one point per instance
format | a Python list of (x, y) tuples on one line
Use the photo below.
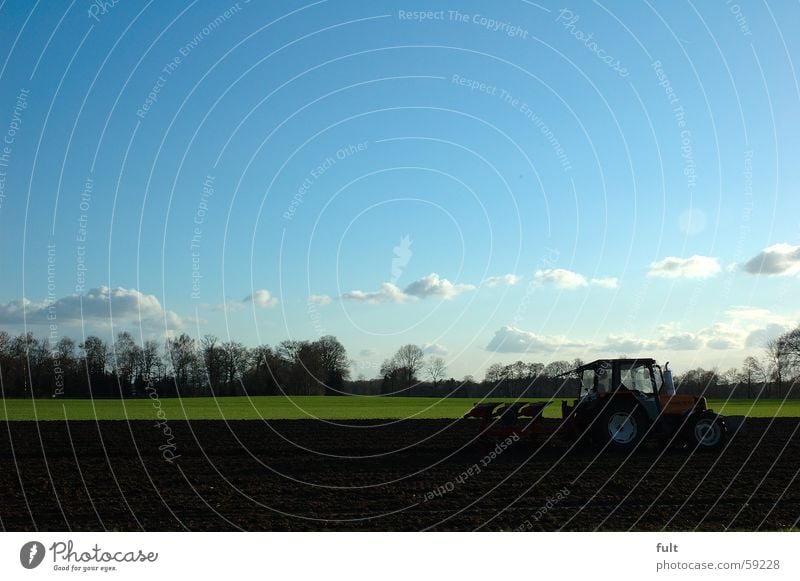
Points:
[(621, 403)]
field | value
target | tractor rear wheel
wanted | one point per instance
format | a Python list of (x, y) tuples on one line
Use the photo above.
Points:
[(621, 426), (706, 431)]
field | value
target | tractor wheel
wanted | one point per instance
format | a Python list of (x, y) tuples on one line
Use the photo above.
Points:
[(706, 431), (621, 426)]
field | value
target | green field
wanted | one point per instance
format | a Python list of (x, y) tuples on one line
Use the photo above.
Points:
[(285, 408)]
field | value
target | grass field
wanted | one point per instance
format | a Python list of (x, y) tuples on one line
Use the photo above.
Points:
[(285, 408)]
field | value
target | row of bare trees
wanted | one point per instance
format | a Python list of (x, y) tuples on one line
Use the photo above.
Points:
[(208, 366), (93, 368), (775, 374), (532, 379)]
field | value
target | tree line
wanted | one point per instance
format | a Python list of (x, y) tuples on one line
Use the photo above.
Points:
[(185, 366), (775, 374)]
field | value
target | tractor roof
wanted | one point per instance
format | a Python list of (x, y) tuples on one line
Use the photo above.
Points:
[(600, 362)]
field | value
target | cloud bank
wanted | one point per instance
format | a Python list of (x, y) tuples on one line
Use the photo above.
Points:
[(97, 306)]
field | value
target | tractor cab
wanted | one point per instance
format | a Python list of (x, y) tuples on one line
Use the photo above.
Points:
[(638, 378)]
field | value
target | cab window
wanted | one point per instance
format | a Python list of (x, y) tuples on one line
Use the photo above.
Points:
[(587, 381), (604, 378), (637, 378)]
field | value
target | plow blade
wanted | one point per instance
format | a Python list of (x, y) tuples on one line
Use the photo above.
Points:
[(482, 411), (507, 412), (517, 419)]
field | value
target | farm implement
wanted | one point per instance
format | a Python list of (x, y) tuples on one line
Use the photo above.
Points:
[(621, 403)]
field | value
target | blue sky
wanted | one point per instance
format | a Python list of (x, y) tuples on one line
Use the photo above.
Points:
[(495, 181)]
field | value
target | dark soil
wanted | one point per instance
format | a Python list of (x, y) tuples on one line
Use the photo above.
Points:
[(410, 475)]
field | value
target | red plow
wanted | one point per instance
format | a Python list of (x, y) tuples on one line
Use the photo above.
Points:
[(519, 420)]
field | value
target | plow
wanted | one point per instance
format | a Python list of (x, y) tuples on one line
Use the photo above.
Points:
[(622, 403)]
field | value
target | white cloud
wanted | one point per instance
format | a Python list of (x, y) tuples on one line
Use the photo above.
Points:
[(748, 313), (568, 279), (620, 344), (433, 286), (388, 293), (560, 278), (607, 282), (369, 352), (98, 305), (722, 344), (681, 342), (667, 337), (693, 267), (748, 326), (15, 311), (778, 259), (512, 340), (319, 299), (724, 335), (261, 298), (506, 279), (435, 349), (428, 286), (760, 337)]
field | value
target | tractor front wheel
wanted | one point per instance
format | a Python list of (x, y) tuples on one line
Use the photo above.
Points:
[(706, 431), (621, 426)]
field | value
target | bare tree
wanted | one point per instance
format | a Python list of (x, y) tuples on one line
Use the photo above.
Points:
[(557, 368), (65, 350), (732, 377), (334, 361), (150, 360), (5, 342), (234, 361), (289, 351), (266, 372), (212, 359), (753, 371), (791, 348), (126, 359), (181, 355), (495, 373), (778, 359), (436, 370), (410, 359), (535, 370), (95, 355), (390, 371)]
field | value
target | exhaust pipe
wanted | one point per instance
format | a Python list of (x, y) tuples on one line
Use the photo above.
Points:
[(669, 384)]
